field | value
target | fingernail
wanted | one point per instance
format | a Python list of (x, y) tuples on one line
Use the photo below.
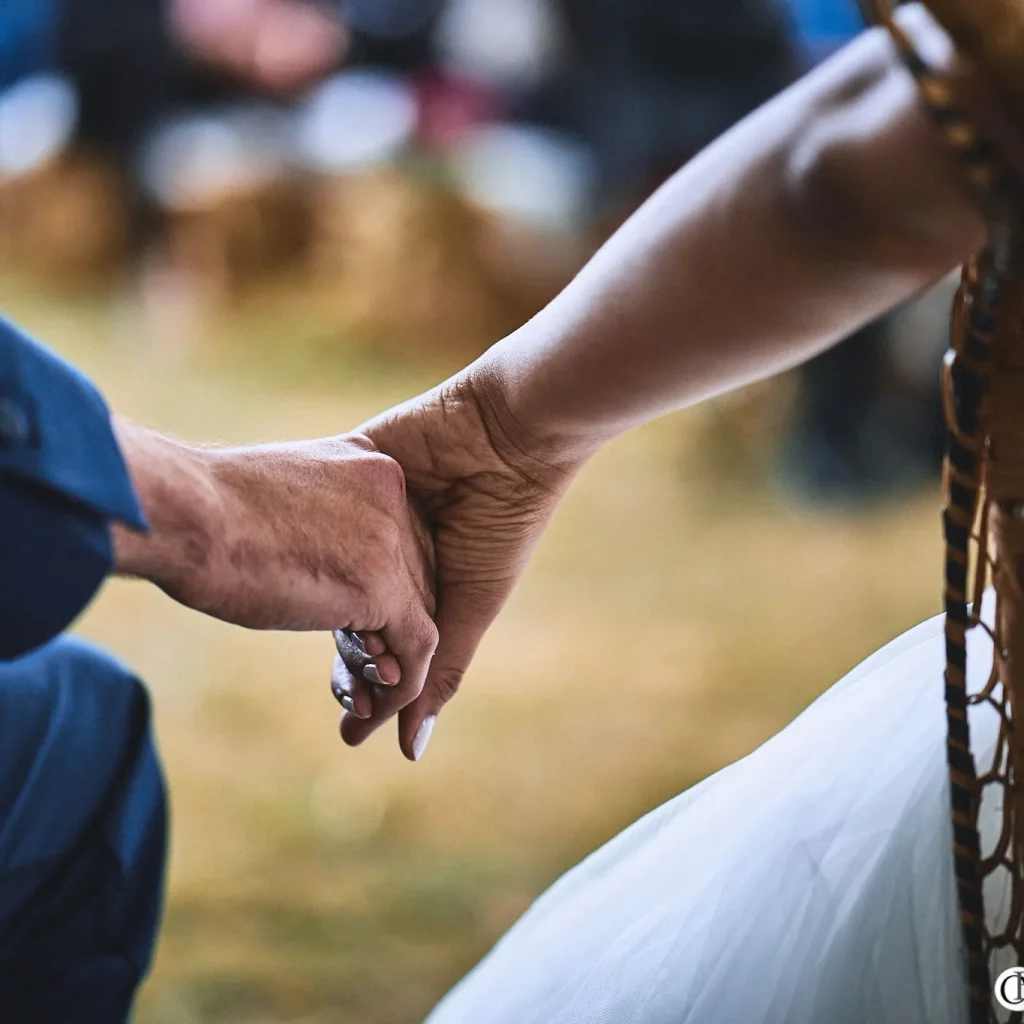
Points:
[(371, 675), (422, 737), (358, 640), (348, 703)]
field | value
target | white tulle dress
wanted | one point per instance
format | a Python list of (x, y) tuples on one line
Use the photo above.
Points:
[(809, 883)]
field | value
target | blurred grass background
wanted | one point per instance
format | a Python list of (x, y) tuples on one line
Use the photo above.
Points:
[(677, 614)]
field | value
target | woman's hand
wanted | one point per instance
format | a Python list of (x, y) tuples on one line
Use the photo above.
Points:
[(484, 489)]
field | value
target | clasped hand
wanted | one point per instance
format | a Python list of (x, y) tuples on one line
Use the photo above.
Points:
[(427, 515), (482, 491)]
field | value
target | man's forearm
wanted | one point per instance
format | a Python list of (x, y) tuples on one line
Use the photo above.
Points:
[(818, 213), (294, 535)]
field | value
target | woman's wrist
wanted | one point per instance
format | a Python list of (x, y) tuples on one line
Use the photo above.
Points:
[(527, 435), (841, 188)]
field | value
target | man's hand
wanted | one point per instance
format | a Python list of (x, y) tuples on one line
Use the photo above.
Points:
[(484, 489), (313, 535)]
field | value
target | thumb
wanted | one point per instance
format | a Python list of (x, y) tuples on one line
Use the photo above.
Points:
[(465, 611)]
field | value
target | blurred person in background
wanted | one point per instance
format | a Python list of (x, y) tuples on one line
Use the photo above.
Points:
[(276, 45), (174, 54), (132, 65), (554, 116), (599, 102), (813, 880), (648, 84), (83, 83)]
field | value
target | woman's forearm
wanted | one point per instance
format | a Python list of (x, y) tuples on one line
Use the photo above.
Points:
[(821, 211)]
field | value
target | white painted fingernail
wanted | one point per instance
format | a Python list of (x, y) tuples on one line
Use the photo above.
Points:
[(422, 737), (348, 703), (371, 675)]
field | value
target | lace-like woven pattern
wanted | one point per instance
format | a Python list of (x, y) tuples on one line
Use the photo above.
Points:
[(983, 507)]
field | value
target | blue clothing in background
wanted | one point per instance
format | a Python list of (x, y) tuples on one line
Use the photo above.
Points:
[(823, 26), (28, 38)]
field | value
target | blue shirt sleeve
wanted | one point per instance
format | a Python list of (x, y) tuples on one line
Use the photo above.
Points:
[(62, 481)]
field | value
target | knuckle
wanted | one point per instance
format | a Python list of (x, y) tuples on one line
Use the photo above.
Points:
[(360, 441), (388, 478), (427, 640)]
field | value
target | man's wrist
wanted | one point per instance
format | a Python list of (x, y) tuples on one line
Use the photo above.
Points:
[(183, 504)]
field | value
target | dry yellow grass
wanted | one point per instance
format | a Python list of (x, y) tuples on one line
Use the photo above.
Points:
[(671, 621)]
